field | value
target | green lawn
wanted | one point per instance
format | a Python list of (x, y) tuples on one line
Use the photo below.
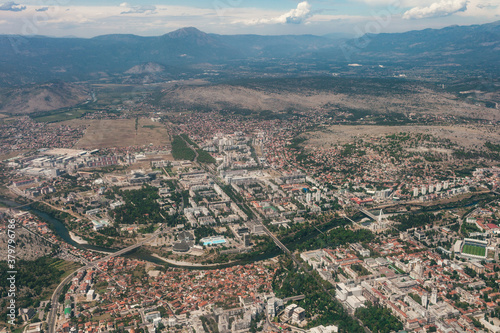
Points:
[(474, 250), (56, 116)]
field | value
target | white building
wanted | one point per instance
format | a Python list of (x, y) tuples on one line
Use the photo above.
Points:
[(423, 190), (323, 329)]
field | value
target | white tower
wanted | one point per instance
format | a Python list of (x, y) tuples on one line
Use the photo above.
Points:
[(381, 217)]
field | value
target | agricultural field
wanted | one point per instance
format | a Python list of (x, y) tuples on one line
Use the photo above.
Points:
[(474, 250)]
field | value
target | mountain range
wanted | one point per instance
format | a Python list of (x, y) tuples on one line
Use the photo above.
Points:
[(188, 51)]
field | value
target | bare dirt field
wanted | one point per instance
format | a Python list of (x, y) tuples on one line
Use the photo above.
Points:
[(470, 136), (12, 154), (417, 99), (242, 97), (120, 133)]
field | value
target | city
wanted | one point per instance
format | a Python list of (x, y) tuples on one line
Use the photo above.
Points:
[(250, 166), (397, 236)]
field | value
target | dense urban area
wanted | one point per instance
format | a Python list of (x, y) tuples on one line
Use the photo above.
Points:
[(229, 221)]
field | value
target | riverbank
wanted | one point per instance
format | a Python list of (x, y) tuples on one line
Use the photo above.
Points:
[(189, 264), (77, 238)]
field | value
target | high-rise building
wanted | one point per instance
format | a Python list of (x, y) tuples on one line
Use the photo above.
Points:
[(425, 300), (246, 240), (434, 296)]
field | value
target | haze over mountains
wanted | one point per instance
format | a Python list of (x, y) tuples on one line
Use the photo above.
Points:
[(189, 51)]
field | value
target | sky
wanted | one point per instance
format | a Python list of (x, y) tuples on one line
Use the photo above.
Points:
[(352, 18)]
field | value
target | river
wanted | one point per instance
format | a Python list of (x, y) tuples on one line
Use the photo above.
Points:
[(59, 227), (62, 231)]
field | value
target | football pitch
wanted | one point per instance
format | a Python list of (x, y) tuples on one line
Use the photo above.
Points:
[(474, 250)]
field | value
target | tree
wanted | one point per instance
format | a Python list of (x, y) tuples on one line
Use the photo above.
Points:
[(378, 319)]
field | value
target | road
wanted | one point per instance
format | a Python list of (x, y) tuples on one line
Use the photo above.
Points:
[(18, 192), (282, 246), (51, 319)]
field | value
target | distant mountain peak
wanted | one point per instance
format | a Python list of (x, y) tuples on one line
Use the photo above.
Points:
[(118, 37), (146, 68), (186, 32)]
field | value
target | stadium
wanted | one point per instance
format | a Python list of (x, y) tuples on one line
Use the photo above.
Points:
[(473, 248)]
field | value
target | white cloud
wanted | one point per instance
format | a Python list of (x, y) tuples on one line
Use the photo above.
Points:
[(394, 3), (298, 15), (12, 7), (150, 9), (480, 8), (437, 9), (294, 16)]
